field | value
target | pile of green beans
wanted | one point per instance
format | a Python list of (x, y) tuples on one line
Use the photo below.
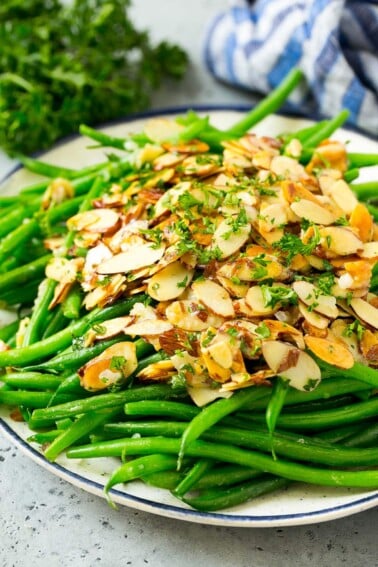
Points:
[(259, 440)]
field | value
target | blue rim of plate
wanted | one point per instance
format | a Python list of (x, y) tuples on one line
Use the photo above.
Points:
[(168, 510)]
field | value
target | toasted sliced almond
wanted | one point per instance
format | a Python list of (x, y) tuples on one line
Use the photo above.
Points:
[(170, 282), (315, 300), (309, 210), (287, 167), (313, 318), (160, 371), (369, 250), (343, 196), (341, 241), (136, 257), (96, 220), (365, 311), (111, 367), (63, 270), (162, 129), (256, 302), (369, 346), (272, 217), (229, 240), (148, 327), (331, 351), (214, 297), (293, 364), (362, 221), (191, 316), (107, 329)]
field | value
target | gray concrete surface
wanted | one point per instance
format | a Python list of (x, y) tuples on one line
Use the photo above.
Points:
[(46, 522)]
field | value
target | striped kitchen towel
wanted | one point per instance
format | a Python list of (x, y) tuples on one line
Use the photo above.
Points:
[(254, 44)]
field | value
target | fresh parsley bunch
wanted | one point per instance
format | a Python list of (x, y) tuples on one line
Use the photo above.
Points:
[(61, 66)]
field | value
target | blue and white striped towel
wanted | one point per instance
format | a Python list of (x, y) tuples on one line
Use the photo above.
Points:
[(254, 44)]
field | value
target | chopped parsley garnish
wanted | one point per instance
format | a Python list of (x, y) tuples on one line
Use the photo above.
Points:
[(292, 245), (276, 294), (263, 330)]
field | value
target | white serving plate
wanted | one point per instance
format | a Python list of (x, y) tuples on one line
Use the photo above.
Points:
[(299, 504)]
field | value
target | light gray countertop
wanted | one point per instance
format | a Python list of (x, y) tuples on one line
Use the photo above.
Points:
[(44, 521)]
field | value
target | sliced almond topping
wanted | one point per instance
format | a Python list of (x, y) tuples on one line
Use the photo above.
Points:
[(287, 167), (343, 196), (256, 302), (369, 250), (214, 297), (162, 129), (311, 211), (229, 240), (96, 220), (158, 371), (331, 351), (112, 366), (362, 221), (315, 300), (273, 216), (341, 241), (108, 329), (297, 366), (369, 347), (63, 270), (313, 318), (148, 327), (170, 282), (191, 316), (136, 257), (365, 311)]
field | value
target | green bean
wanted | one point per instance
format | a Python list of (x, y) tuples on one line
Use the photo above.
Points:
[(44, 437), (362, 160), (72, 359), (374, 213), (62, 339), (269, 104), (172, 409), (53, 171), (365, 437), (298, 447), (33, 331), (24, 273), (221, 476), (31, 399), (22, 233), (303, 134), (109, 400), (216, 499), (357, 372), (32, 380), (72, 303), (194, 130), (136, 468), (193, 476), (12, 219), (80, 428), (367, 190), (101, 137), (326, 131), (276, 403), (214, 413), (229, 454), (328, 388), (328, 418), (8, 331), (57, 323), (338, 434), (351, 174), (334, 402)]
